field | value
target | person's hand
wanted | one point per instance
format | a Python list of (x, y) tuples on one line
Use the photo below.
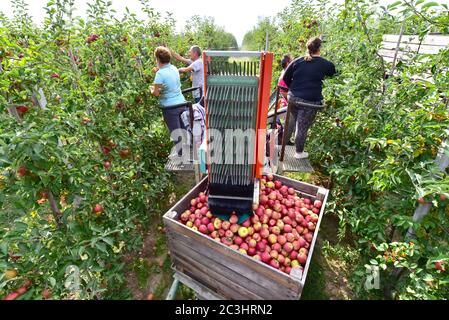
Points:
[(155, 69), (308, 58), (152, 89), (182, 70), (175, 54)]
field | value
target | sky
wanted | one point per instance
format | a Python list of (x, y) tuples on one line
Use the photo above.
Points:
[(236, 16)]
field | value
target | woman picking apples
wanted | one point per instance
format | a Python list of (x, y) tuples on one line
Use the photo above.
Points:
[(304, 78), (167, 86)]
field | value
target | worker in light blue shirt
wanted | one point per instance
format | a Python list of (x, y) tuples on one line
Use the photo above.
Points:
[(167, 87)]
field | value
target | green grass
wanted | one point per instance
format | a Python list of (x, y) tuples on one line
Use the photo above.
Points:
[(143, 271), (315, 286)]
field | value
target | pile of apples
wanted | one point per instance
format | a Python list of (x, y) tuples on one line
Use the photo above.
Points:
[(279, 233)]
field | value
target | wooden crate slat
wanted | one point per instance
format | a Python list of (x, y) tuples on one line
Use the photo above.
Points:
[(229, 284), (255, 270), (196, 286), (223, 273), (303, 187), (440, 40), (423, 49)]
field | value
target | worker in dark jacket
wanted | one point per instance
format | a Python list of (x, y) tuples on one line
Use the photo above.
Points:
[(304, 78)]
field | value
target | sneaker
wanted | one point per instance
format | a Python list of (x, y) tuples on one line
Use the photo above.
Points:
[(301, 155)]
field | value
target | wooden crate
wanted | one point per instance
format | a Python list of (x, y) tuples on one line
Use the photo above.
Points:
[(216, 271)]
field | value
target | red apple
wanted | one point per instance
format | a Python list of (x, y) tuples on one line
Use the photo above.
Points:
[(308, 237), (210, 227), (97, 209), (233, 219), (202, 197), (317, 204), (265, 257), (272, 238), (280, 224), (257, 237), (214, 234), (282, 239), (234, 228), (293, 255), (439, 265), (264, 233), (22, 171), (205, 221), (288, 247), (234, 247), (203, 229), (193, 202), (274, 263), (277, 184), (255, 219), (185, 216), (263, 199), (260, 246), (238, 240), (225, 225), (274, 254), (276, 247), (251, 251), (296, 245), (290, 237), (221, 232), (302, 258), (281, 259), (252, 243), (276, 230), (226, 241), (244, 246), (288, 228)]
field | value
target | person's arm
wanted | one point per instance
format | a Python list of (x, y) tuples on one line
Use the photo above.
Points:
[(156, 90), (331, 70), (187, 69), (178, 57), (288, 74)]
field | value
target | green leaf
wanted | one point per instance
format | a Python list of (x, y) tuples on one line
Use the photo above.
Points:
[(20, 227), (374, 262), (109, 241), (430, 4), (101, 246), (52, 281), (4, 248)]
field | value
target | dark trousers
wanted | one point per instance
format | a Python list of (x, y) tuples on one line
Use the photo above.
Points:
[(197, 99), (304, 119), (172, 118)]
